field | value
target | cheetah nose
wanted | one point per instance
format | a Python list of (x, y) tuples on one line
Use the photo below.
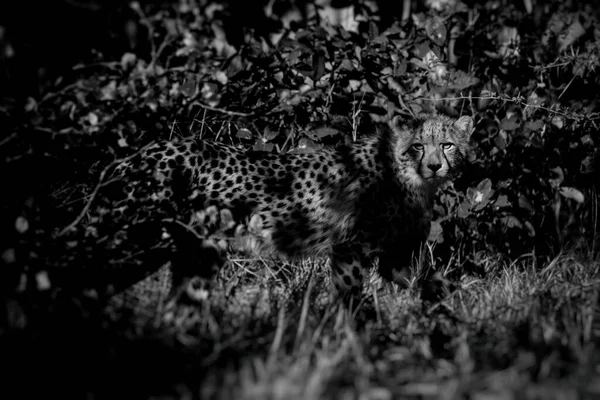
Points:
[(434, 167)]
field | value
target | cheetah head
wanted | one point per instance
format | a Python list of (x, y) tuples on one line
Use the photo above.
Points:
[(432, 150)]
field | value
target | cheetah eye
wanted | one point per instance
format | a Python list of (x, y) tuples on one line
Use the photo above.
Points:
[(417, 146), (447, 146)]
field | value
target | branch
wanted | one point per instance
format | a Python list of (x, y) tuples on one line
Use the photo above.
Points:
[(575, 116), (100, 184), (220, 110)]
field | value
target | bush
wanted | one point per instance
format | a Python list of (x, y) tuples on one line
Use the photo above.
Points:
[(530, 185)]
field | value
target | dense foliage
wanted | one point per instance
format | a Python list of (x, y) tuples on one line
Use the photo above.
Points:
[(279, 77), (528, 79)]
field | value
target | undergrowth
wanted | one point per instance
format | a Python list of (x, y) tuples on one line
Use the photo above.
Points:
[(513, 248)]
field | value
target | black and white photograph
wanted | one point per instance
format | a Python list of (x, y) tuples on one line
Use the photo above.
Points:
[(300, 199)]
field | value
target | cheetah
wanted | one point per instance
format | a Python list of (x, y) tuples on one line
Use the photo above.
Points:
[(353, 203)]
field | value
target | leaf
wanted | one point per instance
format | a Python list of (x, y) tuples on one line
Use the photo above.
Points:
[(510, 123), (436, 233), (261, 146), (308, 144), (485, 186), (568, 37), (227, 221), (480, 196), (30, 104), (209, 90), (572, 193), (339, 43), (354, 85), (587, 140), (525, 204), (508, 41), (255, 226), (269, 134), (463, 209), (288, 42), (380, 40), (460, 80), (128, 60), (235, 65), (422, 49), (221, 77), (42, 280), (109, 92), (318, 66), (587, 165), (483, 102), (437, 69), (373, 30), (489, 126), (171, 26), (9, 256), (305, 146), (502, 201), (346, 65), (188, 88), (559, 177), (321, 33), (324, 132), (558, 121), (416, 108), (535, 125), (243, 133), (530, 229), (21, 224), (92, 118), (436, 30), (511, 221), (500, 140), (304, 69)]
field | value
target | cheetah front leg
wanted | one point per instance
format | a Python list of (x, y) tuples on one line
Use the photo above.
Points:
[(347, 272), (393, 270), (395, 262)]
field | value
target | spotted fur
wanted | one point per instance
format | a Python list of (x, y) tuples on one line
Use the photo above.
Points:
[(352, 203)]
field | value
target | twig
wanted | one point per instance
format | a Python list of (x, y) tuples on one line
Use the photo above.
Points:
[(191, 128), (203, 123), (566, 87), (160, 49), (220, 110), (515, 100), (96, 189), (287, 139), (106, 64), (172, 129), (58, 93), (186, 227), (356, 116), (8, 138)]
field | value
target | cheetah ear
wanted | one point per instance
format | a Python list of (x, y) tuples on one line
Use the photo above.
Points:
[(404, 129), (465, 125)]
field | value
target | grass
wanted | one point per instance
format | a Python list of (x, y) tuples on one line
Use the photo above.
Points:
[(269, 330)]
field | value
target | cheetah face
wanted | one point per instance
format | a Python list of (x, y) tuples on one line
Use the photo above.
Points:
[(434, 148)]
